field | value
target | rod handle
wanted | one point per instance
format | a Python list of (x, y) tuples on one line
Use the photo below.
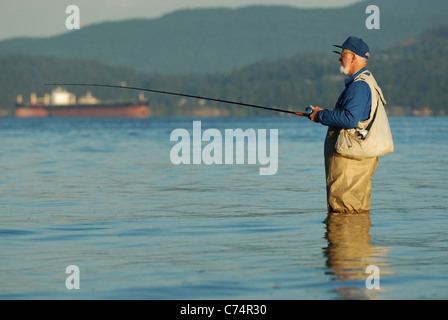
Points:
[(306, 113)]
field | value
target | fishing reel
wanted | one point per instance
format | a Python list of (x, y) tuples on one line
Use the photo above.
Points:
[(308, 111)]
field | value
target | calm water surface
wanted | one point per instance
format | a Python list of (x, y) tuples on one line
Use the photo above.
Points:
[(102, 194)]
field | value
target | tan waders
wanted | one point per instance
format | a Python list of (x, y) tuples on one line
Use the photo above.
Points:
[(348, 180)]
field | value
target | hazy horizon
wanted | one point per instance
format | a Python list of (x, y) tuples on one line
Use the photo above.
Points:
[(45, 18)]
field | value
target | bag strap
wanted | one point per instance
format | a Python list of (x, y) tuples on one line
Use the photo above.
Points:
[(372, 86), (374, 115)]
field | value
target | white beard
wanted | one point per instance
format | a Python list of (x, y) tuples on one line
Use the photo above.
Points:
[(344, 70)]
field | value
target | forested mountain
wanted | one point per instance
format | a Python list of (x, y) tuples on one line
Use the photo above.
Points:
[(413, 74), (221, 40)]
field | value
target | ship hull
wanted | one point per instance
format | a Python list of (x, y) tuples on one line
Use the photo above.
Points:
[(30, 112), (132, 110)]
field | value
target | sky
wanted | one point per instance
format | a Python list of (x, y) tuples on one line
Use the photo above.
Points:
[(43, 18)]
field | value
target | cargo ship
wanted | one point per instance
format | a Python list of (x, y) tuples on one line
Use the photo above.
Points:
[(61, 103)]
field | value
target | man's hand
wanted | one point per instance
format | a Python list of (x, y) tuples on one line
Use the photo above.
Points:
[(313, 116)]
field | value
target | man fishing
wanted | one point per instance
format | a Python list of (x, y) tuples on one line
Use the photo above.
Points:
[(359, 111), (348, 180)]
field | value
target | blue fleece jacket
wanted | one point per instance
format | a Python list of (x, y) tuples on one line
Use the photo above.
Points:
[(354, 102)]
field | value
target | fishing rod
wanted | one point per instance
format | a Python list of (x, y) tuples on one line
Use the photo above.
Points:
[(307, 112)]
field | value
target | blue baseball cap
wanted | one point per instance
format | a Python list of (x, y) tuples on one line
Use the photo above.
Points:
[(356, 45)]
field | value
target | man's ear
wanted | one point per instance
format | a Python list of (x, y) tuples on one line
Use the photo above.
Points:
[(353, 58)]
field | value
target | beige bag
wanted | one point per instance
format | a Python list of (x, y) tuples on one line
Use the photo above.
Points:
[(378, 141)]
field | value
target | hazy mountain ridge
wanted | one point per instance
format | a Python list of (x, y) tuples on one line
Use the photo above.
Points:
[(411, 73), (221, 40)]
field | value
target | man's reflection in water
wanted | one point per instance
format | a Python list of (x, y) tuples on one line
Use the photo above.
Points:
[(350, 252)]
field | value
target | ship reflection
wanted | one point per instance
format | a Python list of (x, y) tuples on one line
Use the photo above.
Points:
[(350, 252)]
